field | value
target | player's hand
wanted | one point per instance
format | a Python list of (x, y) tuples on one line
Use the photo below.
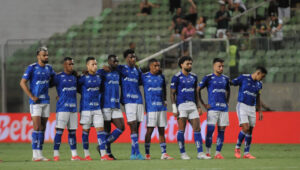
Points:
[(200, 111), (106, 68), (35, 99), (57, 98), (174, 109), (260, 115), (175, 114), (207, 106)]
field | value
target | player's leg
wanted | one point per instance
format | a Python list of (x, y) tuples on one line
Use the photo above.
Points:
[(248, 136), (162, 123), (194, 118), (36, 126), (211, 123), (72, 126), (180, 134), (86, 121), (131, 114), (61, 122), (223, 122), (148, 142), (118, 121), (139, 117), (244, 123), (107, 115), (98, 122)]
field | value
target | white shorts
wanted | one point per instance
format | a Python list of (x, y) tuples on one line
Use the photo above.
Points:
[(157, 119), (246, 114), (219, 117), (95, 117), (42, 110), (134, 112), (109, 113), (188, 110), (69, 119)]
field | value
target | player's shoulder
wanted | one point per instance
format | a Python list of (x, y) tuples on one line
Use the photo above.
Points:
[(208, 76), (225, 77), (59, 74), (245, 75), (193, 74), (48, 66)]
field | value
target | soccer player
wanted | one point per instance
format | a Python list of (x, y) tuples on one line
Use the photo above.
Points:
[(110, 102), (90, 108), (250, 86), (218, 89), (66, 108), (131, 97), (185, 98), (39, 74), (155, 101)]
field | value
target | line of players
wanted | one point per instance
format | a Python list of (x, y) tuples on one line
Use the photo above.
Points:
[(100, 104)]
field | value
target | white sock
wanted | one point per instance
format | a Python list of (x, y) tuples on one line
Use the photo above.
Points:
[(86, 152), (103, 152), (217, 152), (208, 150), (56, 153), (40, 153), (35, 153), (74, 152)]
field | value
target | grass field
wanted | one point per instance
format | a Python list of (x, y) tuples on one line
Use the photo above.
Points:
[(269, 156)]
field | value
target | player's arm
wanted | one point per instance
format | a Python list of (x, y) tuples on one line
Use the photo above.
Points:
[(235, 82), (164, 91), (199, 89), (197, 99), (23, 84), (258, 103), (173, 93), (228, 92)]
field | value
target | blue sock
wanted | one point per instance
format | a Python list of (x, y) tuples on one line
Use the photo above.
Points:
[(147, 148), (135, 144), (108, 150), (240, 139), (85, 140), (114, 135), (101, 140), (220, 140), (180, 140), (34, 140), (57, 139), (41, 135), (72, 139), (248, 140), (198, 141), (163, 148), (209, 134)]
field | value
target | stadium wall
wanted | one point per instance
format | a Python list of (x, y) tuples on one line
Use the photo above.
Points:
[(276, 127)]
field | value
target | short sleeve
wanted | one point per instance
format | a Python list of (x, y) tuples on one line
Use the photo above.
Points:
[(28, 73), (237, 81), (174, 82), (203, 82)]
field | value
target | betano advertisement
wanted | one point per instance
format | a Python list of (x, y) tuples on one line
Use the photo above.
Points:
[(276, 127)]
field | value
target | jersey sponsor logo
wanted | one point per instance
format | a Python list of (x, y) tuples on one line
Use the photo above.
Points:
[(94, 104), (42, 96), (93, 89), (114, 100), (42, 82), (113, 82), (131, 80), (133, 96), (221, 105), (154, 89), (69, 89), (219, 91), (157, 103), (70, 105), (188, 90), (249, 93)]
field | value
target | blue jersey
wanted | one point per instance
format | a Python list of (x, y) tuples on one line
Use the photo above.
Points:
[(154, 91), (39, 78), (130, 81), (66, 87), (185, 87), (248, 90), (89, 86), (217, 86), (110, 89)]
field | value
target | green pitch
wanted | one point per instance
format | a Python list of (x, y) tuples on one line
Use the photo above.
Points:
[(269, 156)]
